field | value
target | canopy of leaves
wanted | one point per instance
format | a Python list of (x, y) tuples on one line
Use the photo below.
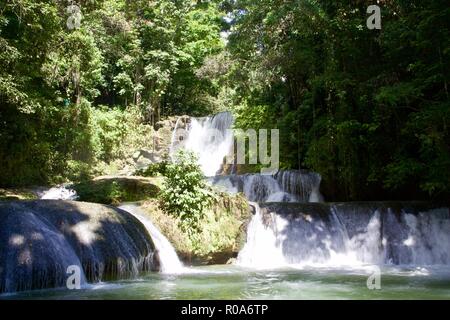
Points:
[(368, 109), (62, 89)]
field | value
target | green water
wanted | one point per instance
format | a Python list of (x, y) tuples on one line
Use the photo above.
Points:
[(232, 282)]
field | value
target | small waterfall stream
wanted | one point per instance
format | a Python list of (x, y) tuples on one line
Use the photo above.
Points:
[(283, 186), (170, 263)]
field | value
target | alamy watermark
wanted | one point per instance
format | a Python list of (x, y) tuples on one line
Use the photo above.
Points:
[(374, 280), (258, 150), (374, 20), (258, 147), (75, 16), (74, 279)]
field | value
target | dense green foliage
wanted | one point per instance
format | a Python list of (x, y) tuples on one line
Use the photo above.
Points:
[(154, 169), (116, 190), (136, 58), (368, 109), (184, 192), (221, 236)]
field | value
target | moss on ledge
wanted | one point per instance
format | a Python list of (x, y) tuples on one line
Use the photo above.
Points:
[(17, 194), (117, 189), (222, 233)]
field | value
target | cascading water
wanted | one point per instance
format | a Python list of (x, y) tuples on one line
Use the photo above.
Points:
[(283, 186), (167, 256), (41, 240), (302, 184), (57, 193), (169, 261), (346, 235), (263, 246), (210, 138), (49, 269)]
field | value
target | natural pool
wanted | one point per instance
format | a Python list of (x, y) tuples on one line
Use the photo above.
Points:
[(233, 282)]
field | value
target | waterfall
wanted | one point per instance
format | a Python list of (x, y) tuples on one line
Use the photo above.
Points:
[(283, 186), (24, 269), (346, 234), (176, 140), (41, 239), (302, 184), (168, 258), (263, 246), (169, 261), (210, 138)]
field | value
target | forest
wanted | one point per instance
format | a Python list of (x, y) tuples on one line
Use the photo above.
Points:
[(367, 109)]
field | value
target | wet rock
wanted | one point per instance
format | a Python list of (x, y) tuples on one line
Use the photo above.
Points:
[(40, 239)]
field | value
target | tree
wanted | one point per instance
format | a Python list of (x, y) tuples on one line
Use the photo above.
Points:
[(367, 109), (184, 192)]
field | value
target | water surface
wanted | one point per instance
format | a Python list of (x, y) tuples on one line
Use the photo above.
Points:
[(233, 282)]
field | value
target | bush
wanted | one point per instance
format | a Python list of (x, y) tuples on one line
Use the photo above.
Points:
[(153, 170), (116, 135), (116, 190), (57, 143), (184, 192), (221, 236)]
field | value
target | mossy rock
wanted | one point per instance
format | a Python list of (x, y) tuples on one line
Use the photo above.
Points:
[(16, 194), (222, 234), (117, 189)]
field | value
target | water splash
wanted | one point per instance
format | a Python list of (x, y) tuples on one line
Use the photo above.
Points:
[(263, 246), (304, 185)]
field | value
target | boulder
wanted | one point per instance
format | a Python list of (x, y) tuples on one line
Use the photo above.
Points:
[(41, 239)]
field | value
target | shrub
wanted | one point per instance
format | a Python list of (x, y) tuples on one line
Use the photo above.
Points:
[(116, 190), (153, 170), (184, 192), (221, 236)]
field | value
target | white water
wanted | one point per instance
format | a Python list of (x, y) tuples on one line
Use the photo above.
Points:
[(263, 247), (169, 261), (346, 236), (210, 138), (58, 193), (283, 186)]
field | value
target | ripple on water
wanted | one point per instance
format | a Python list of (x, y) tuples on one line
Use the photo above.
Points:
[(231, 282)]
